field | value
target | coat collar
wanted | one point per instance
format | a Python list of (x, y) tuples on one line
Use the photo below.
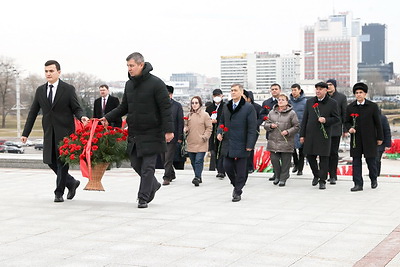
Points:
[(230, 103)]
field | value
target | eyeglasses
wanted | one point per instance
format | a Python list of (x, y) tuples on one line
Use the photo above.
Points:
[(194, 103)]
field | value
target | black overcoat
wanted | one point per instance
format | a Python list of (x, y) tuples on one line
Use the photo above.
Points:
[(146, 103), (368, 128), (242, 133), (341, 99), (315, 143), (58, 118)]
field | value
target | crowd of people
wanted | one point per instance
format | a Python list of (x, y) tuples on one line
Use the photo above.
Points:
[(297, 127)]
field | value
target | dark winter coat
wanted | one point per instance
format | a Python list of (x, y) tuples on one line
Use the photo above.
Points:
[(241, 134), (177, 118), (341, 99), (146, 103), (286, 120), (112, 103), (387, 135), (368, 128), (315, 143), (213, 142), (298, 105), (58, 118)]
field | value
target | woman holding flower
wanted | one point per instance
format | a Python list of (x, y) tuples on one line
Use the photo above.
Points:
[(282, 126), (198, 129)]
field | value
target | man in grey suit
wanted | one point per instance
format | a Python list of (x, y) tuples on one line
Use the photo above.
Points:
[(59, 104)]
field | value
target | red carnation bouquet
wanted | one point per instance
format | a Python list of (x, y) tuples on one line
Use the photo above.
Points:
[(224, 130), (94, 144), (316, 109)]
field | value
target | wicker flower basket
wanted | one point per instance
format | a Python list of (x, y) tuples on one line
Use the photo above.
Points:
[(94, 184)]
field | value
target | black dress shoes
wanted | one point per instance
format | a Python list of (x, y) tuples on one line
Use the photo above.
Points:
[(315, 181), (322, 186), (374, 184), (72, 191), (236, 197), (276, 181), (294, 169), (271, 179), (332, 181), (356, 188), (166, 182), (300, 173), (153, 193), (58, 199), (282, 183), (196, 181), (142, 204)]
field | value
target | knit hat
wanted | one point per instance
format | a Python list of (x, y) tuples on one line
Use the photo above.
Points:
[(360, 86), (332, 81)]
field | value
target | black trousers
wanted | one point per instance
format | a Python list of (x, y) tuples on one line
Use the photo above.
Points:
[(298, 160), (64, 179), (334, 157), (237, 172), (357, 170), (319, 170), (378, 162), (216, 162), (168, 159), (145, 166)]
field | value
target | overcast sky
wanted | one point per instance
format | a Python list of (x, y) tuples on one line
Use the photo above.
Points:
[(174, 36)]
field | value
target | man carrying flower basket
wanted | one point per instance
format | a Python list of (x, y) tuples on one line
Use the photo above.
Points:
[(59, 105), (364, 124), (150, 126), (321, 112)]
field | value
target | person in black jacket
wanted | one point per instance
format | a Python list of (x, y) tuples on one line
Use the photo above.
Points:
[(105, 103), (364, 124), (237, 132), (59, 105), (321, 112), (215, 111), (249, 97), (337, 129), (149, 120), (168, 157), (386, 144)]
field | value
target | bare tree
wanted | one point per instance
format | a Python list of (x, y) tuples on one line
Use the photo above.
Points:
[(28, 89), (86, 86), (8, 74)]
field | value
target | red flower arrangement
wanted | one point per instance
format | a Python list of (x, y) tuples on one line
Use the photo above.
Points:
[(224, 130), (94, 144), (354, 116), (316, 109)]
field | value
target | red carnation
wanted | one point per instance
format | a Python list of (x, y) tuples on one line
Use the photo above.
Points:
[(95, 140), (72, 157), (94, 148), (315, 105), (185, 118), (99, 135), (222, 126), (267, 107), (265, 118), (226, 129), (214, 112)]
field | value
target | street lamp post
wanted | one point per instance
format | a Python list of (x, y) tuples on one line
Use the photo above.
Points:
[(18, 103)]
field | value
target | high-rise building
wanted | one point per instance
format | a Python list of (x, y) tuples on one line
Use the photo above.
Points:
[(258, 71), (331, 49), (374, 43)]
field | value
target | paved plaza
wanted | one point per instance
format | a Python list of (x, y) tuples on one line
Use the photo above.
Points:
[(295, 225)]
